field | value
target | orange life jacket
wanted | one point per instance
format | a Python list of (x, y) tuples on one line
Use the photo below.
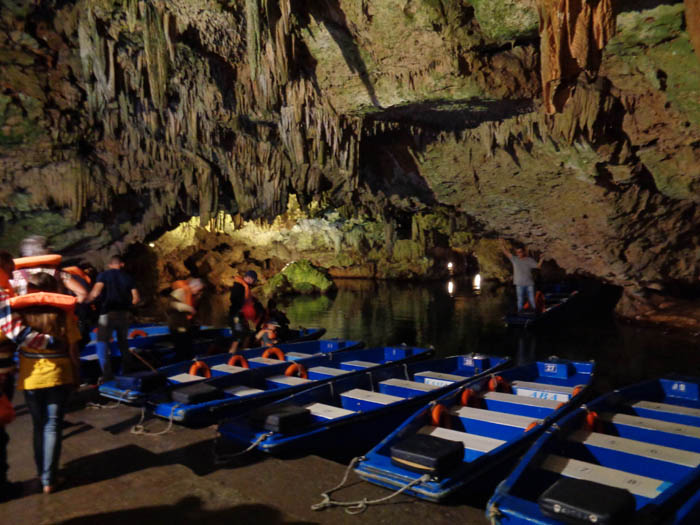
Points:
[(248, 309), (57, 300), (50, 259), (78, 272), (189, 297)]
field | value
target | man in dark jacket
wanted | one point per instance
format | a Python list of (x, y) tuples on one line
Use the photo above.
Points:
[(117, 295)]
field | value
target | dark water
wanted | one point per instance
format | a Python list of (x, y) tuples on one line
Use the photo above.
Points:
[(386, 313)]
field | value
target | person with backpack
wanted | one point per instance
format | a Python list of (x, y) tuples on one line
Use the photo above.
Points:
[(117, 294)]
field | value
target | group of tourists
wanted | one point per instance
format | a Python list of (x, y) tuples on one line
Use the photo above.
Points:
[(46, 314)]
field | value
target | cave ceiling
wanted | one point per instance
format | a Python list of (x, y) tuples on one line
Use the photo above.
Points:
[(570, 125)]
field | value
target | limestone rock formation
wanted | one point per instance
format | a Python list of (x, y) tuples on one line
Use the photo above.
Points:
[(570, 125)]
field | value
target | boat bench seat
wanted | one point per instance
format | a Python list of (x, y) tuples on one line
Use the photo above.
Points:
[(228, 369), (542, 390), (283, 380), (573, 468), (663, 410), (356, 365), (521, 400), (405, 388), (471, 441), (324, 372), (637, 448), (256, 362), (492, 416), (328, 411), (358, 399), (651, 424), (293, 356), (242, 391), (186, 378), (437, 378)]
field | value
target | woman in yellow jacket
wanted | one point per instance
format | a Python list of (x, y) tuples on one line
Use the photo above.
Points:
[(47, 377)]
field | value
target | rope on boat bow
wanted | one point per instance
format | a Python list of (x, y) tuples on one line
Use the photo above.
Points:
[(140, 429), (222, 459), (97, 406), (358, 506)]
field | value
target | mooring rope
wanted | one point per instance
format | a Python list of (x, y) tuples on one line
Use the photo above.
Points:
[(358, 506), (96, 406), (140, 430), (222, 459)]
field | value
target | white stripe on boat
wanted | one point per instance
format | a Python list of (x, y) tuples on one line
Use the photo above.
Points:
[(573, 468), (542, 390), (186, 378), (638, 448), (297, 355), (470, 441), (522, 400), (229, 369), (91, 357), (361, 364), (372, 397), (652, 424), (439, 378), (492, 416), (328, 411), (328, 370), (264, 361), (242, 391), (665, 407), (288, 380), (411, 385)]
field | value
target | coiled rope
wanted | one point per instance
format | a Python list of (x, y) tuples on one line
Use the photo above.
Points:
[(358, 506)]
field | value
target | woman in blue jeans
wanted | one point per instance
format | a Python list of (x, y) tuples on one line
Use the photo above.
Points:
[(47, 377)]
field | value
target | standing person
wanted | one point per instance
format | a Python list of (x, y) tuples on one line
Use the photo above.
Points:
[(34, 258), (47, 377), (244, 307), (13, 332), (118, 294), (522, 274), (182, 308)]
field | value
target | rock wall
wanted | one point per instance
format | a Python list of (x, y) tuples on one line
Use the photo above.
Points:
[(570, 125)]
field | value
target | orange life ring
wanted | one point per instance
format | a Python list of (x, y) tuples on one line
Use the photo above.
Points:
[(137, 333), (531, 426), (238, 360), (498, 384), (50, 259), (468, 397), (559, 405), (577, 390), (296, 369), (440, 417), (64, 302), (200, 365), (279, 354)]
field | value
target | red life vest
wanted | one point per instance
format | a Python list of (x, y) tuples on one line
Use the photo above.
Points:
[(189, 297), (250, 313), (7, 411)]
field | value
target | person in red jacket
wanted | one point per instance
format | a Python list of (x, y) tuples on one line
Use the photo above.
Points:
[(244, 308)]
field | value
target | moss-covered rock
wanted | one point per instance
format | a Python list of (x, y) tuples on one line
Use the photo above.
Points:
[(299, 277)]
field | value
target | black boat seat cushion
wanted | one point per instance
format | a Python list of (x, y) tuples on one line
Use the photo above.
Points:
[(144, 381), (281, 417), (427, 454), (196, 393), (581, 501)]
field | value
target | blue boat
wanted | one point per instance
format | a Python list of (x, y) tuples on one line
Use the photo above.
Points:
[(630, 456), (127, 388), (141, 330), (207, 340), (232, 391), (473, 433), (554, 306), (352, 413)]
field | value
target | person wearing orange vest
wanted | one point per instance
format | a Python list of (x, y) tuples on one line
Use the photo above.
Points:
[(244, 307), (47, 377), (181, 311), (13, 332)]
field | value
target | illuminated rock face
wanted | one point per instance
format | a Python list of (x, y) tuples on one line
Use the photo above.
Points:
[(559, 123)]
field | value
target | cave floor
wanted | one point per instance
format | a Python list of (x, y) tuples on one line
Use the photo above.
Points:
[(114, 476)]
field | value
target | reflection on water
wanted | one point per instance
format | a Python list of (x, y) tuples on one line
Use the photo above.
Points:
[(462, 320)]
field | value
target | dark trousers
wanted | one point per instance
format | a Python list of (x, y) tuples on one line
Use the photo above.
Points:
[(7, 388)]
